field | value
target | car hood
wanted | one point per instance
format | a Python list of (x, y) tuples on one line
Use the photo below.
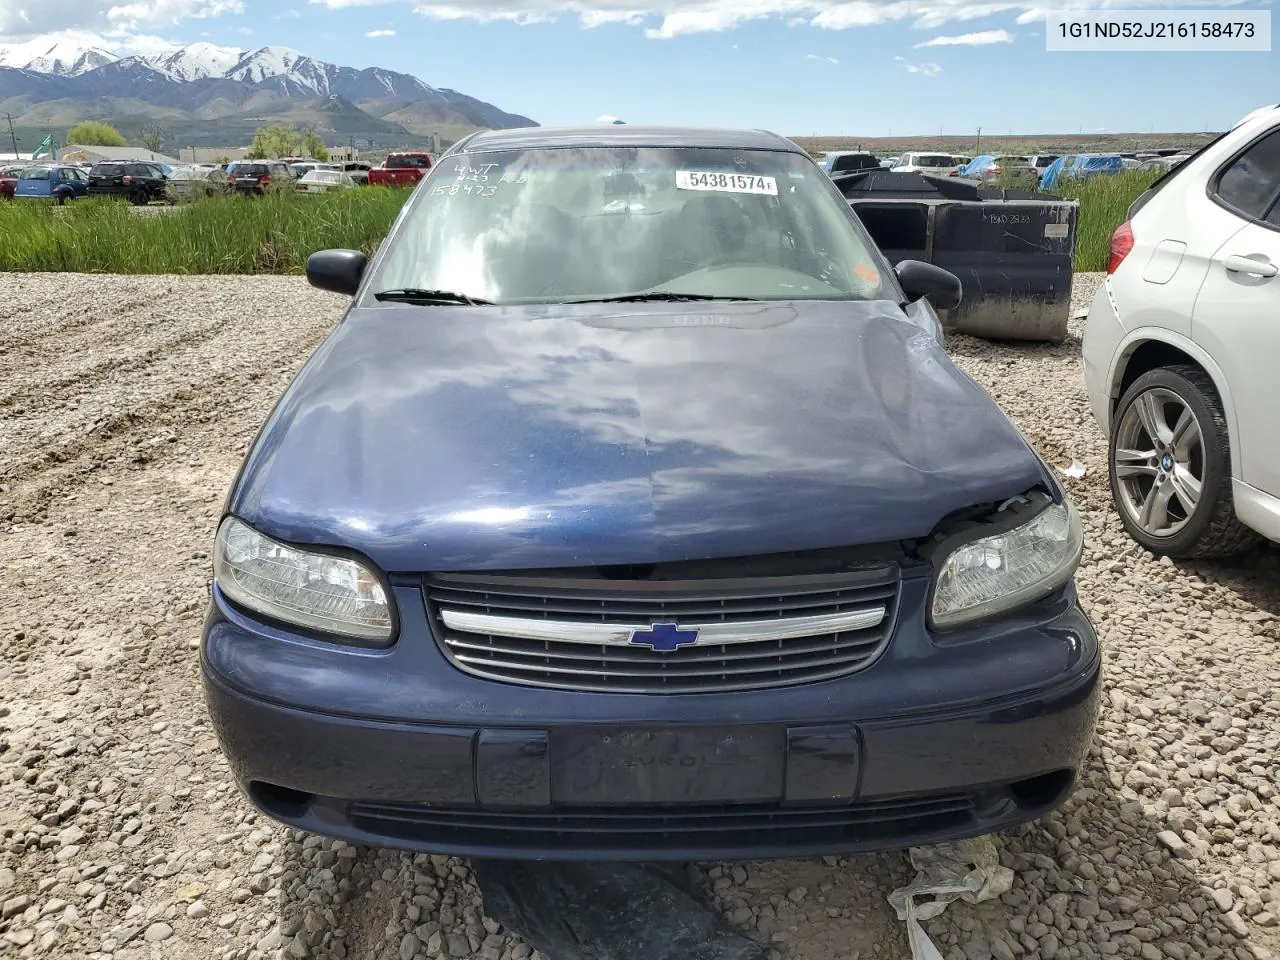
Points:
[(466, 438)]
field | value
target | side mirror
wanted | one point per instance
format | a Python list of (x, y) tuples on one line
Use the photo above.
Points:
[(920, 279), (338, 271)]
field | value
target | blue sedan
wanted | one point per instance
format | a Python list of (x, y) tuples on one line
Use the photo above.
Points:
[(55, 182), (635, 510)]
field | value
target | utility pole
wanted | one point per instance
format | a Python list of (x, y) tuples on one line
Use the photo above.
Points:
[(978, 147), (12, 136)]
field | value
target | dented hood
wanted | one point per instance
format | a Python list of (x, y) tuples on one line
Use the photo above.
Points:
[(465, 438)]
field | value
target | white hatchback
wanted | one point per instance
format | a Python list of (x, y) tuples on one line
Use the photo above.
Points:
[(1182, 350), (322, 181), (937, 164)]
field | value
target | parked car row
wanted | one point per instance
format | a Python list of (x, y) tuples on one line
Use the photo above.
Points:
[(143, 182), (1043, 170)]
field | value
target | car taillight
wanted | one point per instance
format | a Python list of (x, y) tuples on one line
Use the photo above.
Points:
[(128, 181), (994, 168), (265, 180), (231, 178), (1121, 244)]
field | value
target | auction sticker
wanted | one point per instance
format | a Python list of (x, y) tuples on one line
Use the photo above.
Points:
[(726, 182)]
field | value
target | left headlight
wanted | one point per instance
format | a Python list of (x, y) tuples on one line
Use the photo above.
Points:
[(1028, 560), (333, 594)]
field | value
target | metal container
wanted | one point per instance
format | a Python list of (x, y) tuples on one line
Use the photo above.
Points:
[(1013, 250)]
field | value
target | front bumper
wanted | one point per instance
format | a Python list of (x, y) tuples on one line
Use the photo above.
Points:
[(398, 748)]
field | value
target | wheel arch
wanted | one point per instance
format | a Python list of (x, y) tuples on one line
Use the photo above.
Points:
[(1152, 347)]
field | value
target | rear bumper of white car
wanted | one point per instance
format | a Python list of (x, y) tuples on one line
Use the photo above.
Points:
[(1102, 335)]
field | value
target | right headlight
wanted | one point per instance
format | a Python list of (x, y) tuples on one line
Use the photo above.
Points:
[(1002, 571), (322, 591)]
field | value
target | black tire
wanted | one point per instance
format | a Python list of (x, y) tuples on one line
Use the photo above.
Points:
[(1211, 528), (139, 199), (62, 199)]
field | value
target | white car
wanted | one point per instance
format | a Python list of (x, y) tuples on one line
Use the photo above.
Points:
[(1182, 350), (937, 164), (322, 181)]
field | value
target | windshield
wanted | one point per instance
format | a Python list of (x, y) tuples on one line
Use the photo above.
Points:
[(591, 223)]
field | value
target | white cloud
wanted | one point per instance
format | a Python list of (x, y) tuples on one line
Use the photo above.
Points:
[(660, 19), (380, 33), (817, 56), (129, 16), (606, 118), (598, 18), (22, 20), (980, 39), (122, 43), (701, 21), (924, 69)]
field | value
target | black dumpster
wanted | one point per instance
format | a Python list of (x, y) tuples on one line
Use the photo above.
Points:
[(1013, 250)]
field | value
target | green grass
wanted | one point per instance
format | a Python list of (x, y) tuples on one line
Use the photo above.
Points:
[(272, 234), (1104, 202), (277, 233)]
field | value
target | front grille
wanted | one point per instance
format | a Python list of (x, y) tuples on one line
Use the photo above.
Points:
[(882, 822), (575, 633)]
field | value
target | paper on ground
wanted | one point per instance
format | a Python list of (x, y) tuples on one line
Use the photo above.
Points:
[(968, 870)]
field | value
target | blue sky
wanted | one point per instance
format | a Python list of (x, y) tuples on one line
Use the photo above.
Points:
[(800, 67)]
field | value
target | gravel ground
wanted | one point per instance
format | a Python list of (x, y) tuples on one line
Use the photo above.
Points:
[(125, 406)]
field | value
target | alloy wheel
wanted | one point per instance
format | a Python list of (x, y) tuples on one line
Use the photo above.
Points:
[(1159, 462)]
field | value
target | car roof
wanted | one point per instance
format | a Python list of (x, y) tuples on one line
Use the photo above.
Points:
[(532, 138)]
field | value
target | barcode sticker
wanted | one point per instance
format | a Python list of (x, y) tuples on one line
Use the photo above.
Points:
[(726, 182)]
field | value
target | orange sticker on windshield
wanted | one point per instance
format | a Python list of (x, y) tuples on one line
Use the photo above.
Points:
[(863, 272)]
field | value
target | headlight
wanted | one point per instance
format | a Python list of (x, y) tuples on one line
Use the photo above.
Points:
[(998, 573), (316, 590)]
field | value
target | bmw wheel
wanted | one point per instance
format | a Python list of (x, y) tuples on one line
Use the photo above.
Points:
[(1170, 466)]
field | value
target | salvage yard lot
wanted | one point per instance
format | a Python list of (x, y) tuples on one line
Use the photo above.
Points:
[(126, 404)]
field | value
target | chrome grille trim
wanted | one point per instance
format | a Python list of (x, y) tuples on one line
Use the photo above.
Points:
[(569, 631), (619, 634)]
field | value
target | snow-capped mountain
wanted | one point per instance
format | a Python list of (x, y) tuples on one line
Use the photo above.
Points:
[(206, 93), (196, 61), (281, 62), (280, 68), (296, 73), (62, 58)]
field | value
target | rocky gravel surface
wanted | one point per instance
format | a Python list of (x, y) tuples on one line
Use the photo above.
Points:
[(125, 406)]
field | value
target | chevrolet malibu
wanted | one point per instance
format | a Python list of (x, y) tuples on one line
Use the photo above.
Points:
[(635, 510)]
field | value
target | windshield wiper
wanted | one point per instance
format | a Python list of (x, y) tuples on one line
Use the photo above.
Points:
[(665, 297), (415, 295)]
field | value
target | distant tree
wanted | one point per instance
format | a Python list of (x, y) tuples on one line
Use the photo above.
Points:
[(95, 133), (153, 138), (314, 147), (222, 160), (276, 140)]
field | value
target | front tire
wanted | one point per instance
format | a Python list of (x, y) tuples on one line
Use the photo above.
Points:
[(1169, 462)]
